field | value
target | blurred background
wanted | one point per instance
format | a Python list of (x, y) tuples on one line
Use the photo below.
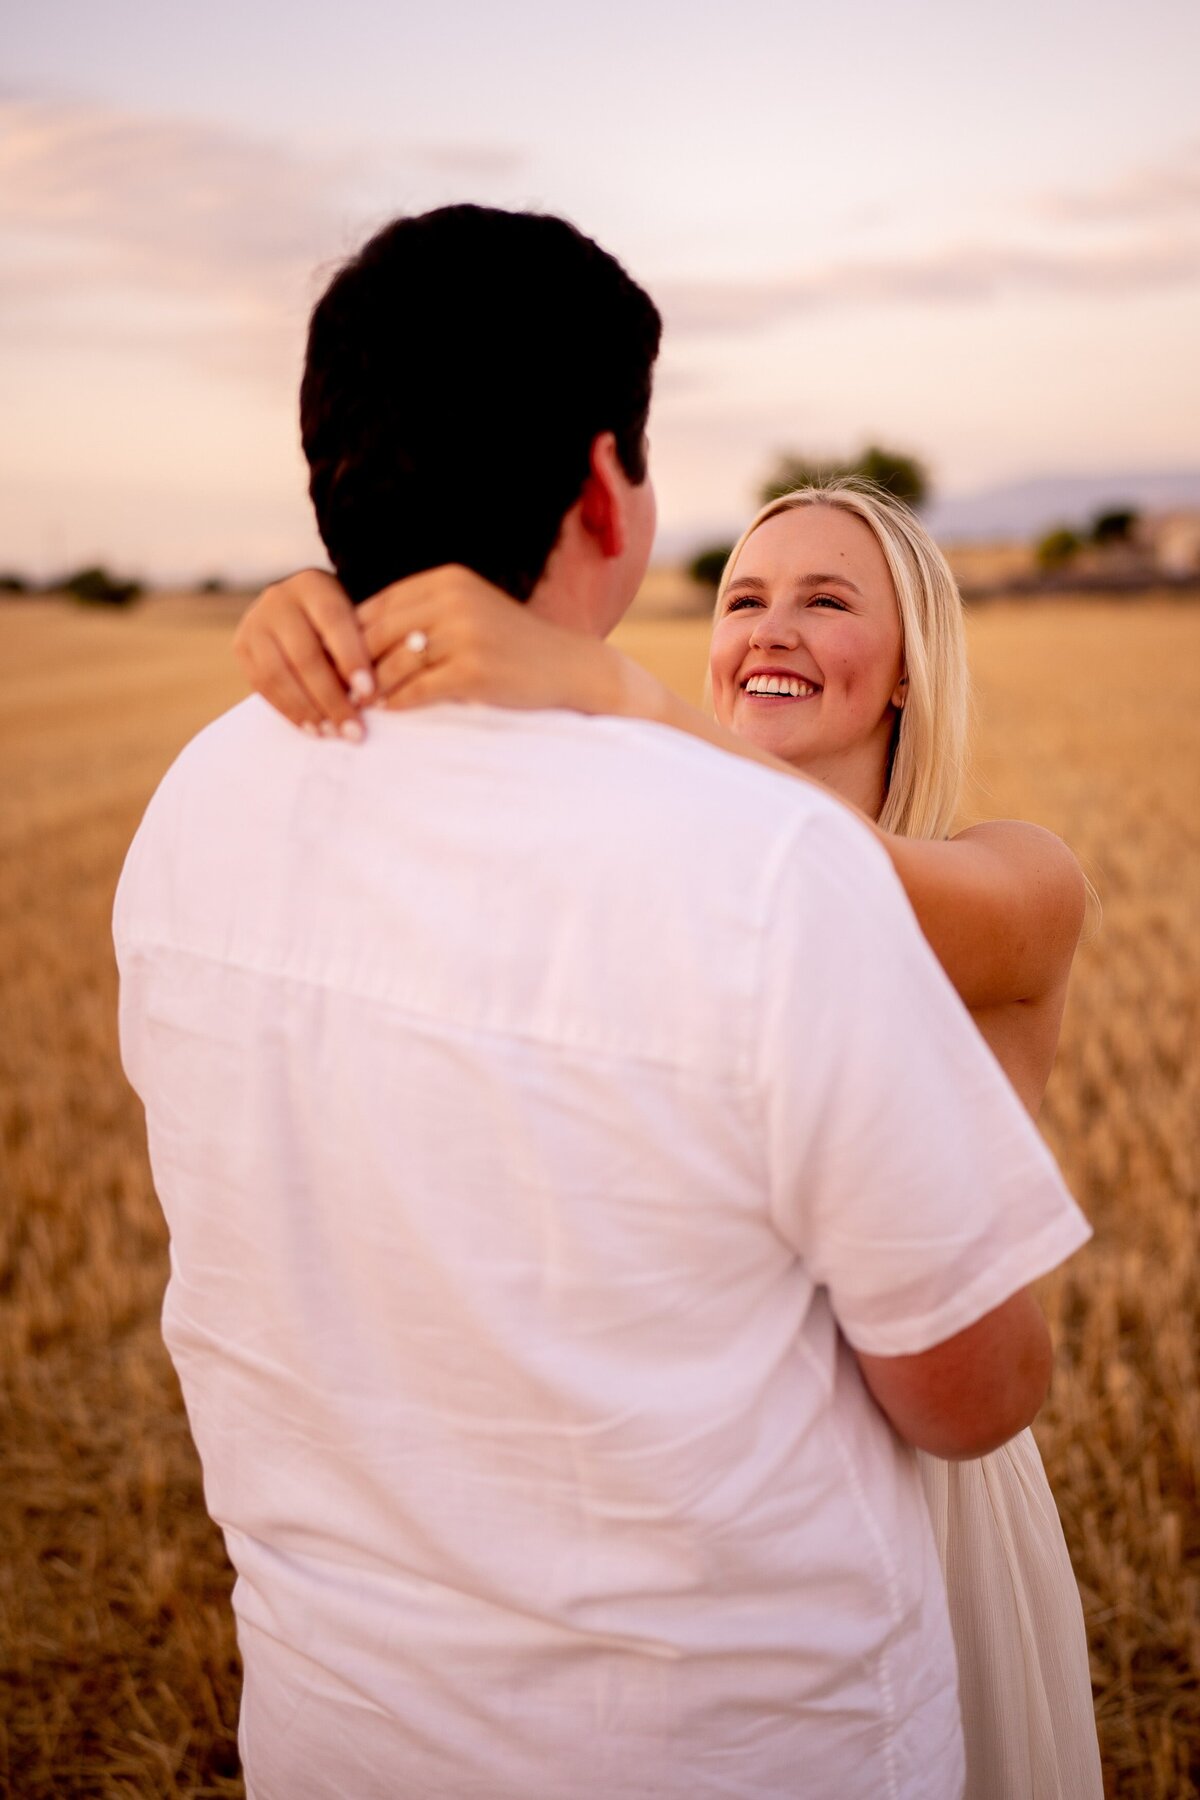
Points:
[(971, 232), (955, 245)]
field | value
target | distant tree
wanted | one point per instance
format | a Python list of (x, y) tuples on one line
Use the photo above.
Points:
[(212, 584), (894, 470), (95, 585), (791, 472), (12, 583), (707, 565), (1058, 548), (1114, 526)]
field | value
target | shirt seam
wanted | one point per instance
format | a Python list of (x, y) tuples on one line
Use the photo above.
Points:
[(890, 1576), (736, 1081), (777, 865)]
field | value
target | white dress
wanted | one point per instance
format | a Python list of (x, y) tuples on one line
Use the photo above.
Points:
[(1026, 1693)]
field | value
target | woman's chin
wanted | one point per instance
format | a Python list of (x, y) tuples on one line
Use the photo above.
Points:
[(778, 725)]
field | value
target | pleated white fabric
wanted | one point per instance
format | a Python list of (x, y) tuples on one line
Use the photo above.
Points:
[(1018, 1627)]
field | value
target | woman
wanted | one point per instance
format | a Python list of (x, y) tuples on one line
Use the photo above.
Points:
[(838, 654)]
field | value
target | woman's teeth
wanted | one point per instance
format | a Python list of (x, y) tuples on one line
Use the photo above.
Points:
[(790, 685)]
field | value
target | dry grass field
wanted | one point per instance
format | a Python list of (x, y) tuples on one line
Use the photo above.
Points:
[(119, 1670)]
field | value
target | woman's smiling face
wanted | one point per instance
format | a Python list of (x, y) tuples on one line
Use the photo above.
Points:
[(807, 653)]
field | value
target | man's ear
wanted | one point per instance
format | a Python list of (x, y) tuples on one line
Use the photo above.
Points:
[(602, 502)]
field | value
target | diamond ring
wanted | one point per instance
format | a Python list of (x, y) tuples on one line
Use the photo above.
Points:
[(417, 642)]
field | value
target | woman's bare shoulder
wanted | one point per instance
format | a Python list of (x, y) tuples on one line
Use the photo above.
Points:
[(1021, 834), (1045, 870)]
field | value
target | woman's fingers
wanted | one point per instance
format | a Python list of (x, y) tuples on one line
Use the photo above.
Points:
[(388, 617), (405, 664), (450, 602), (299, 643), (309, 621), (328, 608), (422, 689), (273, 677)]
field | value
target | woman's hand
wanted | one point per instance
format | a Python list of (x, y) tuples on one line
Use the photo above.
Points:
[(302, 648), (317, 658), (446, 634)]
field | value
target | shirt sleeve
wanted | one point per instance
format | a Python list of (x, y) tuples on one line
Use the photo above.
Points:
[(903, 1169)]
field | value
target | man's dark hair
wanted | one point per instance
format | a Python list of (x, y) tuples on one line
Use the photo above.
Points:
[(458, 369)]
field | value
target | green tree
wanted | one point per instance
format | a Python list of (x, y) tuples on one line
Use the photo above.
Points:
[(1114, 526), (706, 566), (791, 472), (95, 585), (1058, 548), (12, 583), (894, 470)]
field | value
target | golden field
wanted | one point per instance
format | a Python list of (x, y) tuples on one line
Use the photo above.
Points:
[(119, 1664)]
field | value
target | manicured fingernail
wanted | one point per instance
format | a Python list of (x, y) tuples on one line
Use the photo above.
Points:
[(309, 729), (353, 731), (328, 728), (362, 685)]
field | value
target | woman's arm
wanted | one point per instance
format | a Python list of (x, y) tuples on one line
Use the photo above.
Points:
[(972, 1392), (1001, 904)]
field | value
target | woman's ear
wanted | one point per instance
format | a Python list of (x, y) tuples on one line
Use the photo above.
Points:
[(601, 504), (900, 693)]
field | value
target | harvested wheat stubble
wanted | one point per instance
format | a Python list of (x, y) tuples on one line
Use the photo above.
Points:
[(117, 1653)]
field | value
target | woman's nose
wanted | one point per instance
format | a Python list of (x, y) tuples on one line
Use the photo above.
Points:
[(774, 629)]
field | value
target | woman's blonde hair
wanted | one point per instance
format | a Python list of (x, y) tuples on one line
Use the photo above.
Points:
[(929, 748)]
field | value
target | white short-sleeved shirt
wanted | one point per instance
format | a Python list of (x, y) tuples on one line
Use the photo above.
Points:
[(530, 1098)]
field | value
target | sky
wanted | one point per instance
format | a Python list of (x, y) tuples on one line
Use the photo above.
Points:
[(969, 231)]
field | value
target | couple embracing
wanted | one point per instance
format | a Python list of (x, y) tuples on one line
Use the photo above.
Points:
[(600, 1232)]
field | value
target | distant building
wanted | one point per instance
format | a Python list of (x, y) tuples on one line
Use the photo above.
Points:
[(988, 567), (1172, 541)]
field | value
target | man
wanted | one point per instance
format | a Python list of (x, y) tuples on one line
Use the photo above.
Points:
[(532, 1098)]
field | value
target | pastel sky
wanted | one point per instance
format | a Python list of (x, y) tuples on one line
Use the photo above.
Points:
[(970, 230)]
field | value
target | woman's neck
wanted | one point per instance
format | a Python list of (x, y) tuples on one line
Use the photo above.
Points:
[(858, 775)]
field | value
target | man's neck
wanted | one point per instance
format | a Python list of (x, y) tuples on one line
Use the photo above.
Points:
[(568, 599)]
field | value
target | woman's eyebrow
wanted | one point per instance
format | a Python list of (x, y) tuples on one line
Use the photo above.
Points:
[(801, 581), (829, 581)]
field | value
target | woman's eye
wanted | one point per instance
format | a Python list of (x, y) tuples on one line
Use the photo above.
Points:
[(740, 601), (828, 600)]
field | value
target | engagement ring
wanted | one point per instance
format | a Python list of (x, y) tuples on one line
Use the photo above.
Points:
[(417, 642)]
